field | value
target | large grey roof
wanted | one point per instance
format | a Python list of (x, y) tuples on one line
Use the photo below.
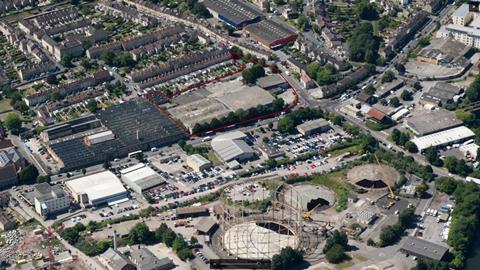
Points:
[(432, 122), (205, 224), (424, 248), (231, 145), (144, 259), (45, 192)]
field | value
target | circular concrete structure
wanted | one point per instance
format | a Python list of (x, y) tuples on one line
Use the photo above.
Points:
[(370, 176), (307, 196), (258, 239)]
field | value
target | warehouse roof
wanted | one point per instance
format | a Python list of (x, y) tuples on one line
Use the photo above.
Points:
[(427, 123), (443, 137), (313, 124), (270, 81), (441, 92), (231, 145), (45, 192), (97, 186), (268, 31), (191, 210), (236, 11), (424, 248), (142, 176), (199, 160), (205, 224)]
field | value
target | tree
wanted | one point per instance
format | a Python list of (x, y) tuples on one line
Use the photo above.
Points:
[(394, 102), (13, 122), (303, 23), (51, 79), (66, 61), (28, 174), (250, 75), (421, 189), (336, 254), (179, 243), (446, 184), (193, 240), (168, 237), (464, 116), (400, 68), (363, 44), (370, 89), (370, 242), (92, 106), (473, 90), (286, 124), (184, 254), (71, 235), (139, 234), (431, 154), (406, 95), (411, 147), (43, 179), (54, 96), (337, 238), (367, 11), (388, 76)]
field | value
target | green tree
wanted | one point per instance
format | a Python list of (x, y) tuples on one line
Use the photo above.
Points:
[(28, 174), (431, 154), (464, 116), (367, 11), (13, 122), (388, 76), (184, 254), (363, 44), (139, 234), (336, 254), (370, 89), (168, 237), (71, 235), (406, 95), (394, 102), (411, 147), (421, 189), (193, 240), (92, 106), (286, 124), (43, 179), (179, 243), (250, 75), (473, 90)]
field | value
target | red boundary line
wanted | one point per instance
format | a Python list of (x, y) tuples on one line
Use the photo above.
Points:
[(233, 55)]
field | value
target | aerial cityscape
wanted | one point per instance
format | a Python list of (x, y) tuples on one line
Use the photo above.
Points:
[(240, 134)]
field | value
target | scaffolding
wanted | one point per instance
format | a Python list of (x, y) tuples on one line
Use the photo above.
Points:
[(263, 235)]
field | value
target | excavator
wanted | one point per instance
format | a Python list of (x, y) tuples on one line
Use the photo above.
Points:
[(390, 195), (306, 215)]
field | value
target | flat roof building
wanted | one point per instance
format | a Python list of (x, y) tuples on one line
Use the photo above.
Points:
[(144, 259), (235, 13), (115, 260), (271, 34), (272, 81), (432, 122), (232, 146), (206, 226), (440, 93), (442, 138), (141, 177), (97, 189), (50, 199), (193, 211), (198, 163), (423, 249), (314, 126)]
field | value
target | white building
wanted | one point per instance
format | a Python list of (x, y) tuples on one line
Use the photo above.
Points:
[(465, 27), (141, 177), (198, 163), (97, 189), (232, 146), (442, 138), (50, 199)]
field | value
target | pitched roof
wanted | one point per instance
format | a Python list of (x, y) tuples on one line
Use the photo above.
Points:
[(376, 114)]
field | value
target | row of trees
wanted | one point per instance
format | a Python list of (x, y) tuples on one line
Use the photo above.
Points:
[(240, 115), (117, 59), (139, 234), (464, 224), (404, 163), (392, 233), (186, 6), (403, 139)]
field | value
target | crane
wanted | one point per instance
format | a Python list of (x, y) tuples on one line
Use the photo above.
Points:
[(390, 195), (306, 215)]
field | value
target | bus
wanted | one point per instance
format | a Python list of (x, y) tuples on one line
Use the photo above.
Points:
[(135, 154)]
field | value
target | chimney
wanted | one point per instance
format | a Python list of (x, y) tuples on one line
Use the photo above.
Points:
[(115, 240)]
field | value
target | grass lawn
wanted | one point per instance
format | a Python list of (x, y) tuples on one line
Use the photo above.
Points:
[(334, 181), (352, 149), (5, 105), (213, 158)]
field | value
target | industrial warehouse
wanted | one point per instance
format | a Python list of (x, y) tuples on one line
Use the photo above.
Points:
[(235, 13), (94, 139), (271, 34)]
